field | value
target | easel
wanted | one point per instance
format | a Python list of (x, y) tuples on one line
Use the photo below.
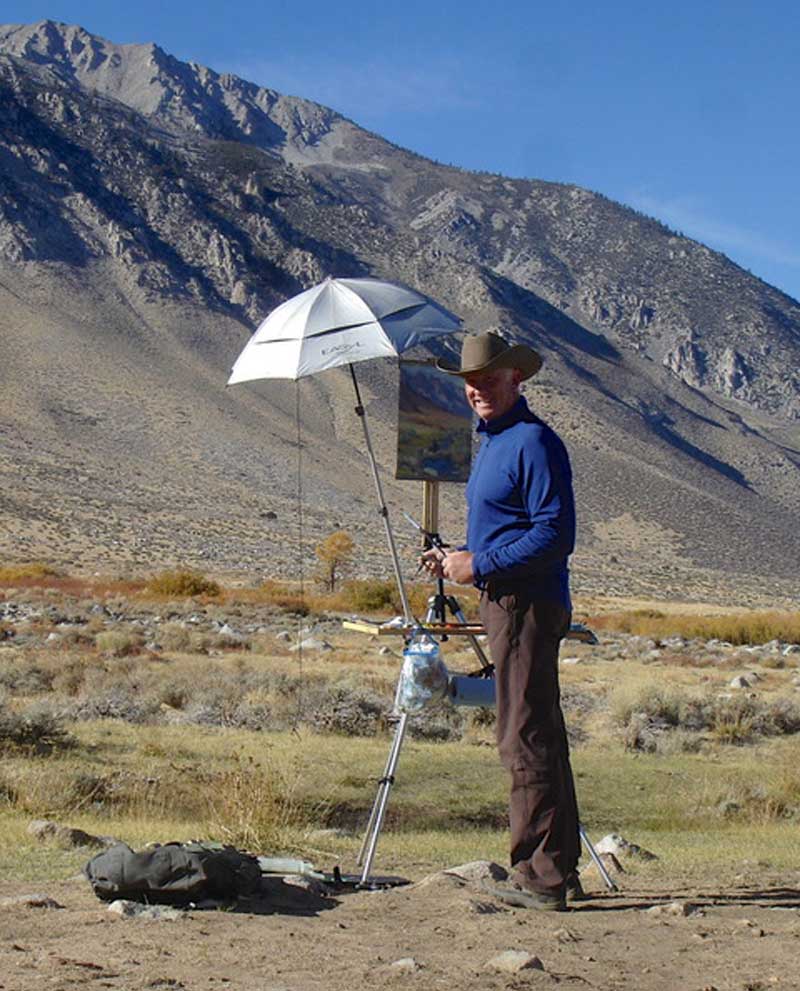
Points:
[(436, 623)]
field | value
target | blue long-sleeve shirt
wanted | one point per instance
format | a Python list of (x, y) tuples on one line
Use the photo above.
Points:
[(520, 505)]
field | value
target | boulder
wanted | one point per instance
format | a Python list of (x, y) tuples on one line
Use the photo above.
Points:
[(46, 830), (478, 870)]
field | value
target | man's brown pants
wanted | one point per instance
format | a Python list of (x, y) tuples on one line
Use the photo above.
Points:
[(524, 637)]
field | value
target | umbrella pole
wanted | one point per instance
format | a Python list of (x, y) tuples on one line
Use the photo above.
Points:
[(361, 413)]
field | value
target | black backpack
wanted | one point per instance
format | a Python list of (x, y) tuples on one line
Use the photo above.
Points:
[(173, 874)]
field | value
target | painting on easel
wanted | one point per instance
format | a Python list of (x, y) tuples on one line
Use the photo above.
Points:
[(434, 429)]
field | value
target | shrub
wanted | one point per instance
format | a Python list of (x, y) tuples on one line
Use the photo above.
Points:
[(371, 596), (645, 716), (26, 679), (36, 730), (182, 584), (25, 573), (119, 643), (123, 702), (351, 711)]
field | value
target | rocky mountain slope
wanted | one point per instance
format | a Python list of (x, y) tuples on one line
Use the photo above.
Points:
[(152, 211)]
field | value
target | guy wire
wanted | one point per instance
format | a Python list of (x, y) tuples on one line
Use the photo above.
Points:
[(300, 534)]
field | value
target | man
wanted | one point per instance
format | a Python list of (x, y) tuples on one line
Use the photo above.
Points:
[(520, 532)]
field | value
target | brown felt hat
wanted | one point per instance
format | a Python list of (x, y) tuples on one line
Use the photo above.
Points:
[(487, 351)]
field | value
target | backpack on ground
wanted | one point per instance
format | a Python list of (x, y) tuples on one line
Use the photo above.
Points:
[(174, 873)]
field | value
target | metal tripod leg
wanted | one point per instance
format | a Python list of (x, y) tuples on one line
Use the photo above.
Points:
[(598, 863), (455, 609), (367, 853)]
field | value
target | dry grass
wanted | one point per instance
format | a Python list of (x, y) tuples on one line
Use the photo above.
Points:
[(264, 750), (259, 804), (369, 596), (737, 629)]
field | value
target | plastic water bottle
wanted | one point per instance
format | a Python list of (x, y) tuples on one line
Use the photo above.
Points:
[(423, 677)]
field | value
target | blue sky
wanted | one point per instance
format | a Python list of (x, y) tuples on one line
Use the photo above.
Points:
[(688, 112)]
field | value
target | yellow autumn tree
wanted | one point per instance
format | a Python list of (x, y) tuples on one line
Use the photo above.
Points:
[(335, 555)]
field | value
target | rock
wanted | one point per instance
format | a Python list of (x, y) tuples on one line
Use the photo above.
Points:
[(405, 965), (29, 901), (284, 636), (609, 861), (565, 936), (619, 846), (741, 681), (485, 908), (570, 660), (478, 870), (309, 884), (513, 962), (136, 910), (675, 908), (312, 643), (47, 830)]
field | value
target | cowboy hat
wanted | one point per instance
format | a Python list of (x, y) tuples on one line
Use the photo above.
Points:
[(487, 351)]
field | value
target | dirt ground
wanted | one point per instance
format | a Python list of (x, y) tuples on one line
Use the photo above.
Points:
[(696, 934)]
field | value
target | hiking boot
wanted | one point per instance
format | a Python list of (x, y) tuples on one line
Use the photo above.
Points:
[(574, 889), (513, 892)]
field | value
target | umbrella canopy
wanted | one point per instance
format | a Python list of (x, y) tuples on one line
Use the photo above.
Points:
[(340, 321)]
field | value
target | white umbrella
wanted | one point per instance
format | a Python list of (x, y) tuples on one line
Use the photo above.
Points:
[(341, 322)]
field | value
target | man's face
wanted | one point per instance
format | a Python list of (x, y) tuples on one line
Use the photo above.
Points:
[(491, 394)]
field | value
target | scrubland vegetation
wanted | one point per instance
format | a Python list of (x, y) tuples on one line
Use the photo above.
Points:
[(735, 628), (176, 708)]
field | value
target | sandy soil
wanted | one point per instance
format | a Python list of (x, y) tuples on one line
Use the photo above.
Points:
[(699, 934)]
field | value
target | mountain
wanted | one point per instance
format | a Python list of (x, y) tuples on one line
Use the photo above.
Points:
[(153, 211)]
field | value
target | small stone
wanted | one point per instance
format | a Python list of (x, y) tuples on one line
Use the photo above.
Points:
[(484, 908), (29, 901), (155, 913), (609, 861), (405, 965), (513, 962), (741, 681), (565, 936), (312, 643), (619, 846), (284, 636), (675, 908), (570, 660)]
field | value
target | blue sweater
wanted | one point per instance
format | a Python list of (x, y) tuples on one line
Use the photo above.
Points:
[(520, 506)]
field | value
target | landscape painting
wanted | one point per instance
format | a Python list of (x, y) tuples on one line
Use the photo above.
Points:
[(434, 427)]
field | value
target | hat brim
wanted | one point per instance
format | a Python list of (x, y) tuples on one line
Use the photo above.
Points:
[(518, 356)]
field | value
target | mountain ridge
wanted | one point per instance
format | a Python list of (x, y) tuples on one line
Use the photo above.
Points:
[(181, 231)]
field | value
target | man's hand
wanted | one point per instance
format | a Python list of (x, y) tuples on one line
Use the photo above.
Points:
[(431, 560), (457, 566)]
